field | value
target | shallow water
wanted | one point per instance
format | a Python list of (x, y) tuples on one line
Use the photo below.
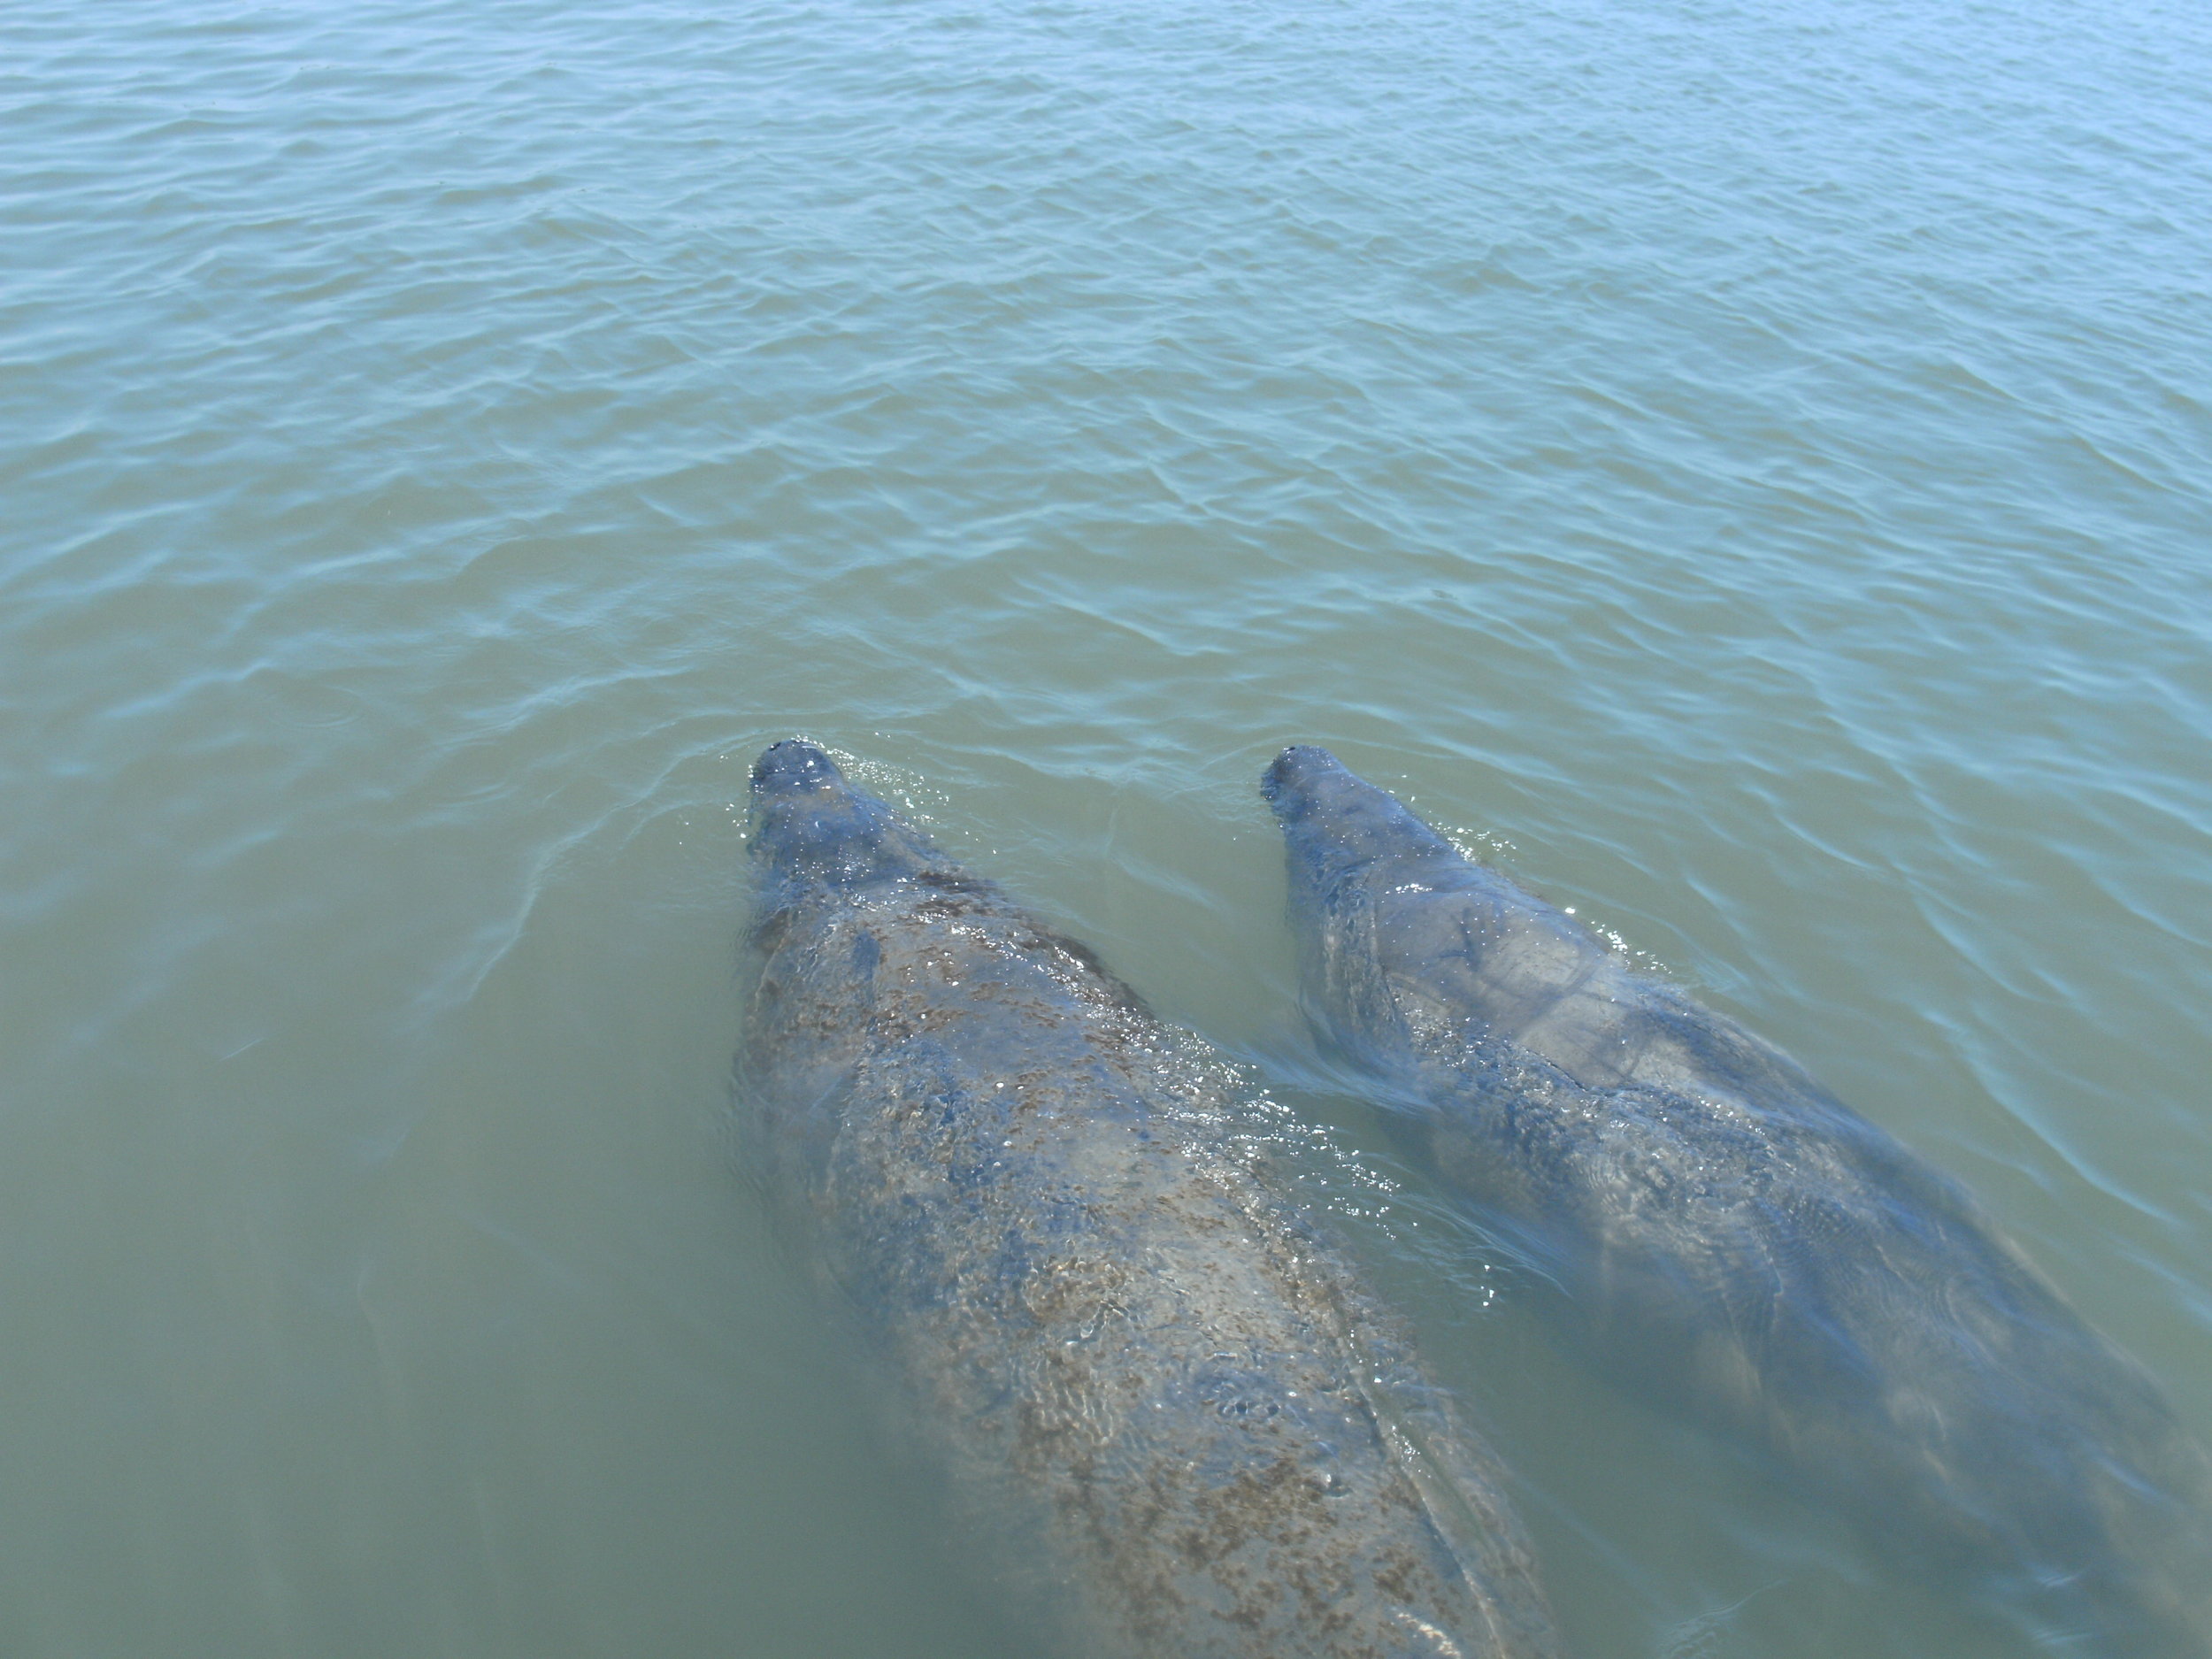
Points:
[(1748, 466)]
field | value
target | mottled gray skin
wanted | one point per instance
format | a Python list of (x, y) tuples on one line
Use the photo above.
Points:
[(1153, 1387), (1730, 1241)]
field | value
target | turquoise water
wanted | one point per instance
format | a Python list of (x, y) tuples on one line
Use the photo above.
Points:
[(1747, 467)]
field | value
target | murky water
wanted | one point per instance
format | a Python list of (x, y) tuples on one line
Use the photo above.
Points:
[(1748, 464)]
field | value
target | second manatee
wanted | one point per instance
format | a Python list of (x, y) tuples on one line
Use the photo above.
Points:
[(1727, 1239)]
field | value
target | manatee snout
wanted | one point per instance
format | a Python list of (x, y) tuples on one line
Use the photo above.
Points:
[(1338, 829), (807, 820), (791, 766), (814, 832), (1299, 778)]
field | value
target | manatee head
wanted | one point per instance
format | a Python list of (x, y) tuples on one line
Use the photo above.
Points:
[(833, 867), (1346, 838), (1361, 867), (817, 837)]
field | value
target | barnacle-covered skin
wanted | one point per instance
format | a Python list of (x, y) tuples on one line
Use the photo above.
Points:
[(1731, 1241), (1156, 1398)]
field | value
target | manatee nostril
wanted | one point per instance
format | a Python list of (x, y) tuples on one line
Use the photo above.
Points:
[(793, 764), (1291, 769)]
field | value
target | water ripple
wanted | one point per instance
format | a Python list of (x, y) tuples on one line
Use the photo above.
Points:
[(1750, 461)]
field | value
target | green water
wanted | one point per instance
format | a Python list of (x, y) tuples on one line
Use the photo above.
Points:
[(1749, 466)]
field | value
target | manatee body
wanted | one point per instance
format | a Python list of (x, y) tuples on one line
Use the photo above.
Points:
[(1155, 1395), (1727, 1239)]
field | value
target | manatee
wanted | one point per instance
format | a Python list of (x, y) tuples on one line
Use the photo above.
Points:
[(1721, 1235), (1164, 1407)]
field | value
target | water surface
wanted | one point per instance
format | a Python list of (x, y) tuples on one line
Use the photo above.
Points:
[(1745, 466)]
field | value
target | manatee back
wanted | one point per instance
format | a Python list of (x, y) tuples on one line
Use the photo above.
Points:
[(1736, 1241)]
